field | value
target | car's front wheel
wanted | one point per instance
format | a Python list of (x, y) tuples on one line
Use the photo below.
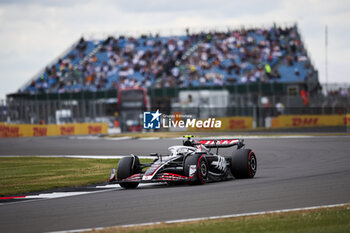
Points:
[(196, 167), (127, 167)]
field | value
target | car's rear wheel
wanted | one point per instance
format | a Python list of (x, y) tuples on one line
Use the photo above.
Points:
[(196, 167), (127, 167), (243, 163)]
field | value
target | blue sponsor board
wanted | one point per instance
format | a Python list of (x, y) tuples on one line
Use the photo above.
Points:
[(151, 120)]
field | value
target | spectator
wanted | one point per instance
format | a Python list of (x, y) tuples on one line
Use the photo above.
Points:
[(305, 97), (215, 58), (279, 108)]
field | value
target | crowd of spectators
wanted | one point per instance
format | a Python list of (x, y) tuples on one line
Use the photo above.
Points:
[(237, 57), (340, 92), (56, 77), (201, 59)]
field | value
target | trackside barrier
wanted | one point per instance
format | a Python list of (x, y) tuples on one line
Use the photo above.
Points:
[(228, 124), (28, 130), (291, 121)]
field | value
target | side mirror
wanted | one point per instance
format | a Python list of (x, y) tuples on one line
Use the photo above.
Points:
[(240, 144), (156, 155)]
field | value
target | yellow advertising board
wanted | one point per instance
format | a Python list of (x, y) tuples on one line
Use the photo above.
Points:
[(28, 130), (290, 121), (228, 124)]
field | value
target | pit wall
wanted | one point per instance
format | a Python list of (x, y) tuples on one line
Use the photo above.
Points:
[(28, 130)]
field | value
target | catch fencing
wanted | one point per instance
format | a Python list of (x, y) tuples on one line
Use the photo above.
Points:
[(262, 102)]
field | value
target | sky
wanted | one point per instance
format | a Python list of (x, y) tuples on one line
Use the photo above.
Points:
[(34, 33)]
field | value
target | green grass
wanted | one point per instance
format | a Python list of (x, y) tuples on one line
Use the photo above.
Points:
[(321, 220), (20, 175)]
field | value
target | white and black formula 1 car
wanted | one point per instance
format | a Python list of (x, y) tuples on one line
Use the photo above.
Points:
[(193, 162)]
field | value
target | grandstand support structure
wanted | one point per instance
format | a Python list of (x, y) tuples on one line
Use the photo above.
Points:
[(3, 110), (326, 57)]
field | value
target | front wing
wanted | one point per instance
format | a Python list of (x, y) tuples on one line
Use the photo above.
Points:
[(161, 177)]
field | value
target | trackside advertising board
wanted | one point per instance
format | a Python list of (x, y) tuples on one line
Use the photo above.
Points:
[(291, 121), (28, 130)]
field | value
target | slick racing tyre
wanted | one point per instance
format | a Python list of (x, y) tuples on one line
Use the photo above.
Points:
[(243, 164), (127, 167), (196, 166)]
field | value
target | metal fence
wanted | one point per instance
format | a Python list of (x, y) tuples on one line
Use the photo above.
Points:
[(61, 108), (3, 111), (259, 100), (94, 108)]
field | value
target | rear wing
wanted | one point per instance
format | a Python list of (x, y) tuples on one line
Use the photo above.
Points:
[(221, 143)]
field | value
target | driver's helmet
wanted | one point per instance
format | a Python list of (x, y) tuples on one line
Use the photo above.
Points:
[(188, 143)]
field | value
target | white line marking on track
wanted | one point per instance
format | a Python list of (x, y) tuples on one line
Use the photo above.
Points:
[(79, 156), (46, 196), (216, 137), (210, 218), (117, 138), (108, 186), (56, 195), (84, 137), (97, 156), (149, 138)]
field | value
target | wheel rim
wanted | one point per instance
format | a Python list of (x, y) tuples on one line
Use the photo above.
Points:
[(203, 169), (253, 163)]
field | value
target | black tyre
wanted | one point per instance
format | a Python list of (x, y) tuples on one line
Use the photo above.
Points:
[(243, 163), (198, 161), (127, 167)]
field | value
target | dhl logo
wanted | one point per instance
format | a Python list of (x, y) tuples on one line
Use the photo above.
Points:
[(67, 130), (346, 120), (28, 130), (300, 121), (95, 129), (9, 131), (237, 124), (39, 131)]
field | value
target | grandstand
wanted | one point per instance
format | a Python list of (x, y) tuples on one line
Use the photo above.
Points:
[(255, 67), (254, 55)]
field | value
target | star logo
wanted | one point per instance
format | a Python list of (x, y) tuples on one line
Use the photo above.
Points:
[(156, 115), (151, 120)]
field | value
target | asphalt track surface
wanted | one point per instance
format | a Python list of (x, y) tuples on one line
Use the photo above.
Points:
[(292, 173)]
